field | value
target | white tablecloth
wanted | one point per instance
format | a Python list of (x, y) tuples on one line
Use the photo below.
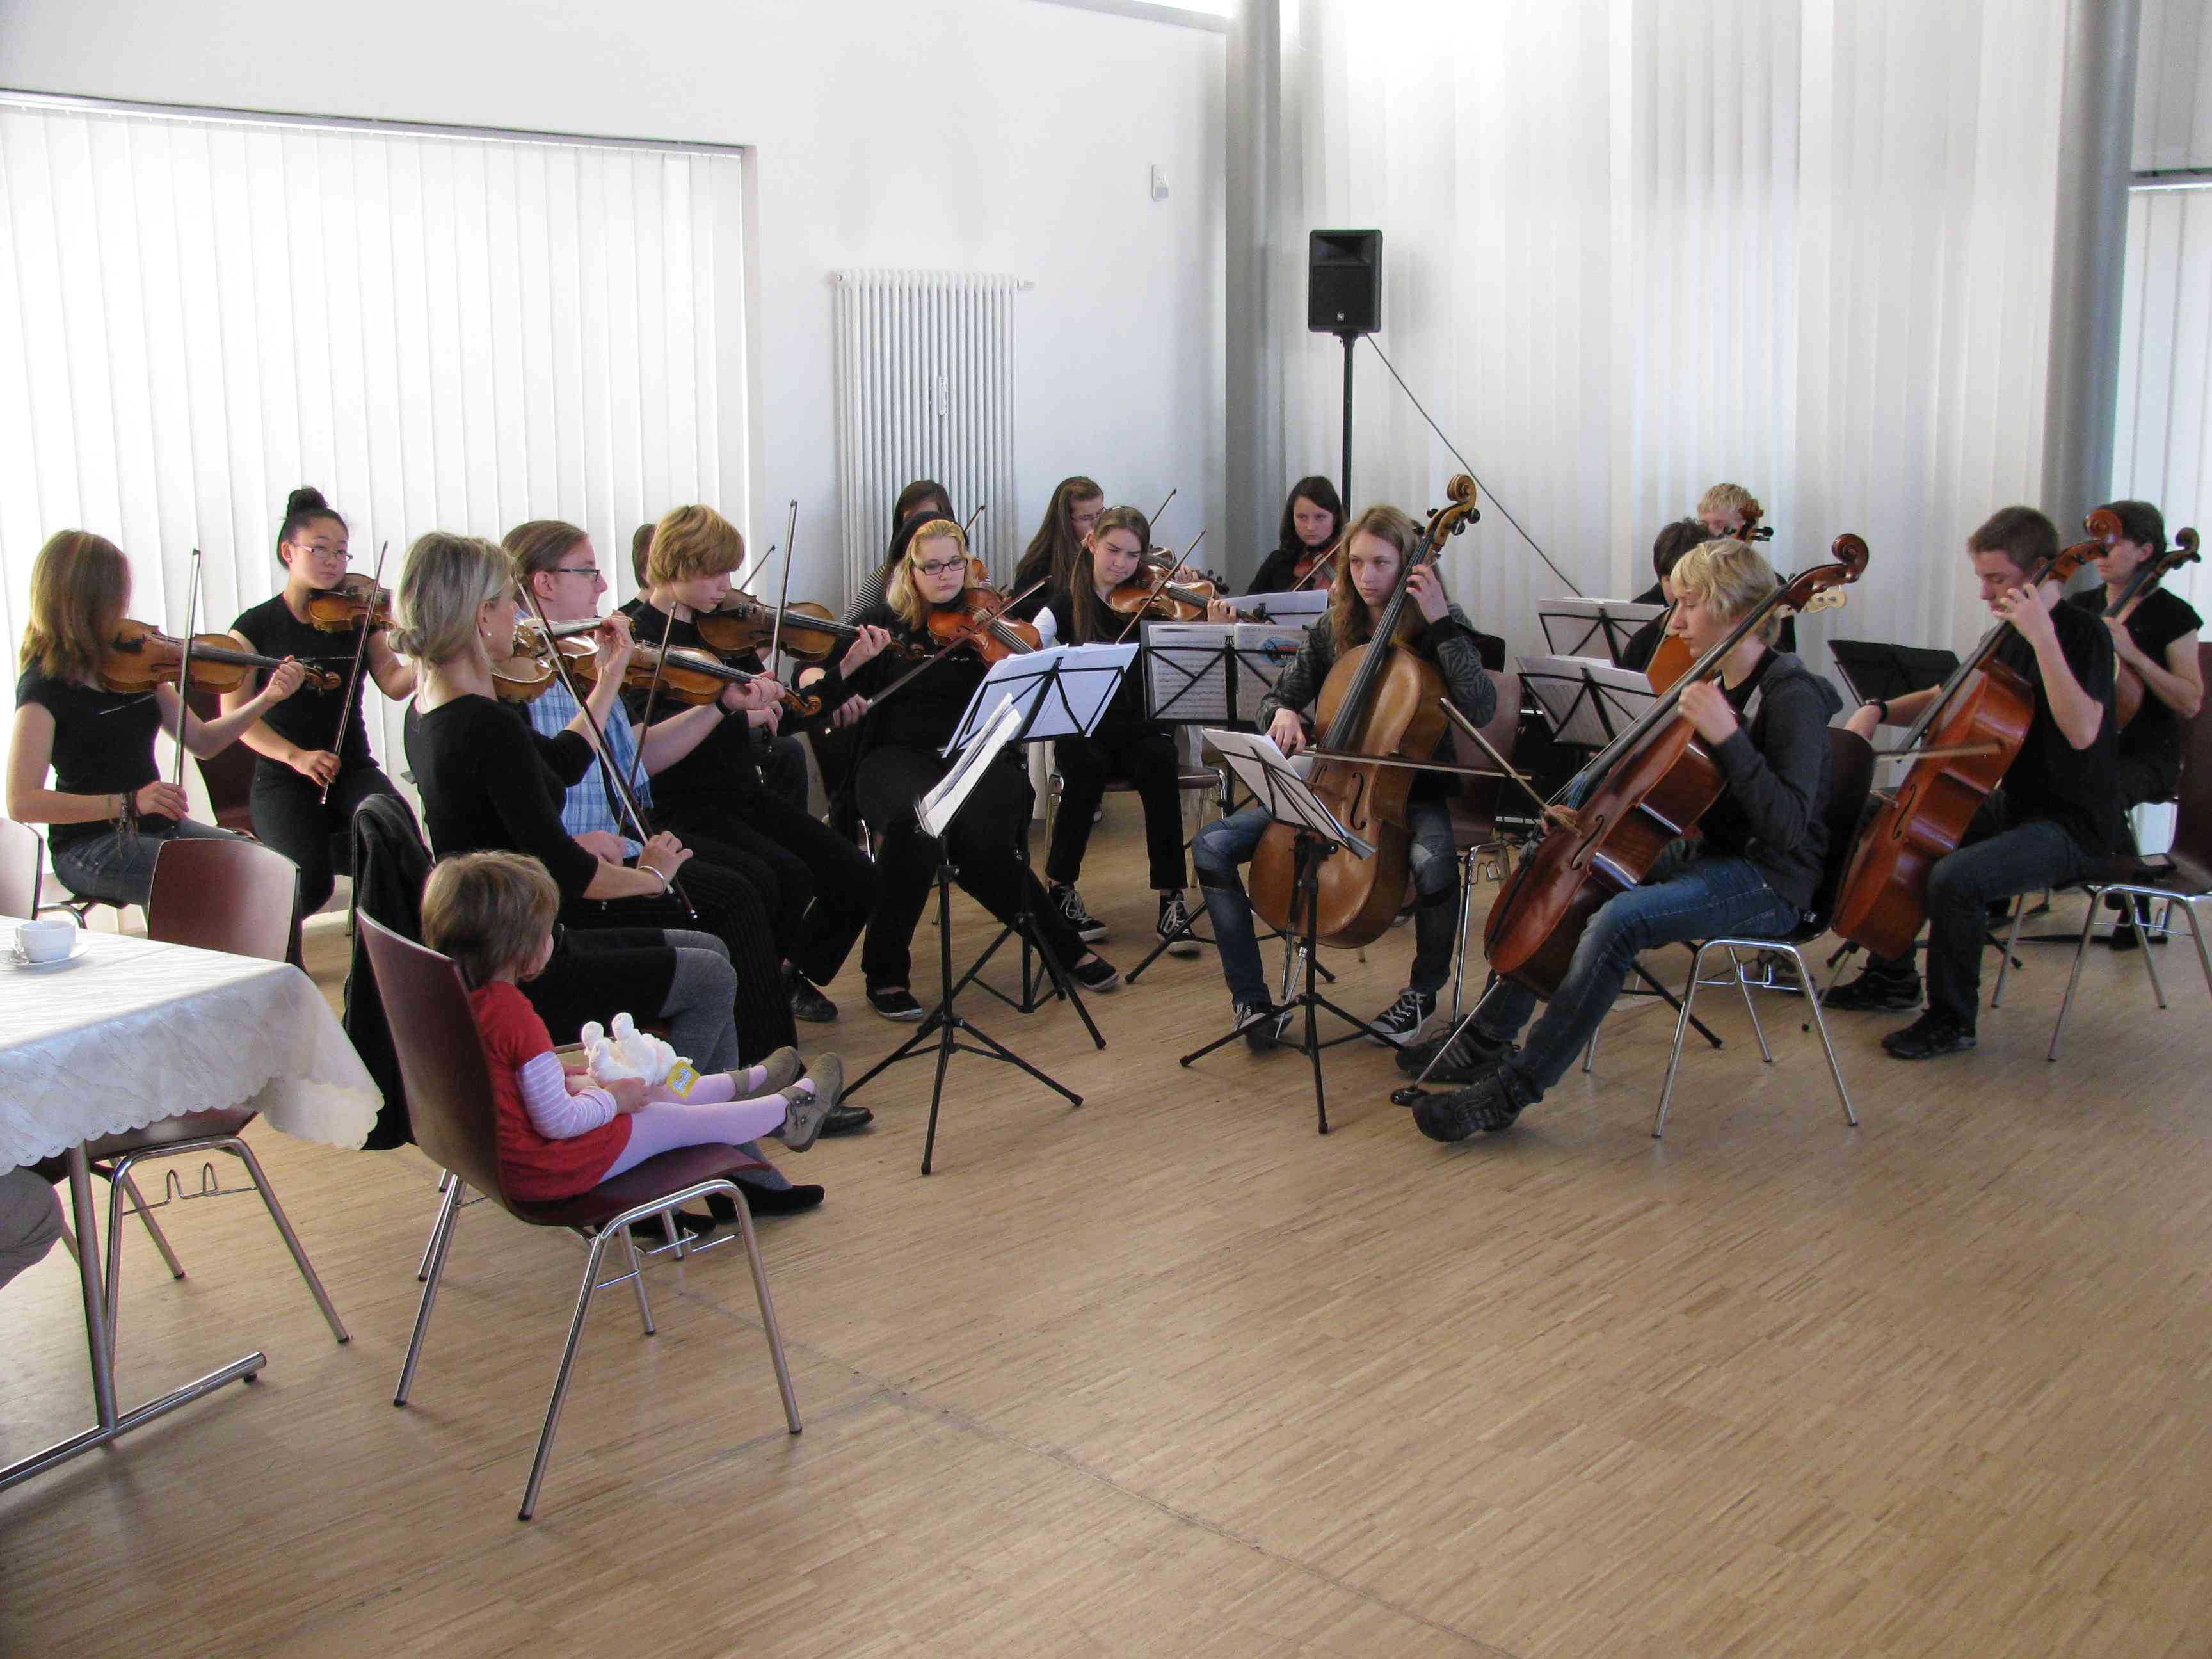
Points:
[(139, 1031)]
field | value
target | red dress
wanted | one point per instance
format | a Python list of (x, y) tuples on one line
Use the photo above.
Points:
[(532, 1166)]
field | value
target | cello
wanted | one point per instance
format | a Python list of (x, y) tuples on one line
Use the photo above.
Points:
[(1380, 700), (1974, 729), (1645, 789)]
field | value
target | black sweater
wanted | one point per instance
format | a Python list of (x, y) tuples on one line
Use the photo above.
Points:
[(490, 783), (1776, 767)]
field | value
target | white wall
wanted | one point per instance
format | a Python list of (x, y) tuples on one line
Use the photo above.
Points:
[(1000, 135)]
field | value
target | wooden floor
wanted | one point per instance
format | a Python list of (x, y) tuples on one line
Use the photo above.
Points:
[(1171, 1375)]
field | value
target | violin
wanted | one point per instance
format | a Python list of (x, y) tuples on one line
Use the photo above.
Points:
[(742, 624), (688, 675), (2127, 685), (1985, 710), (1382, 699), (528, 668), (1638, 794), (977, 620), (141, 657), (355, 602)]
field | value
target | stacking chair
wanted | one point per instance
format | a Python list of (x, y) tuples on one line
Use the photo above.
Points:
[(449, 1103), (1850, 777), (21, 857)]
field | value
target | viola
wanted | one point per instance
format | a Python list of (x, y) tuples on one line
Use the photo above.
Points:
[(355, 602), (2127, 685), (1973, 727), (528, 668), (1381, 701), (1642, 792), (977, 621), (141, 657), (743, 624)]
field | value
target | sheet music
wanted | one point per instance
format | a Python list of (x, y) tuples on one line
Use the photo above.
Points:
[(1577, 628), (1275, 783), (1302, 607), (1586, 700), (1187, 677), (1059, 691), (936, 809)]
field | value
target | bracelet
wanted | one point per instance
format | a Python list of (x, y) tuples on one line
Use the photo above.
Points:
[(1882, 705)]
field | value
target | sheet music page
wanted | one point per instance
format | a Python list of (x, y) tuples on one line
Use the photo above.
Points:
[(936, 809), (1183, 675), (1302, 607), (1278, 782), (1264, 650)]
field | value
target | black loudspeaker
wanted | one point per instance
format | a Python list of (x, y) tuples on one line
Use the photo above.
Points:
[(1344, 281)]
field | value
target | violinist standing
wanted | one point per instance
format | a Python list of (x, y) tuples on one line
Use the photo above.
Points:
[(826, 884), (1312, 514), (1752, 870), (900, 761), (1380, 542), (2056, 810), (1123, 744), (2154, 640), (311, 775), (109, 811)]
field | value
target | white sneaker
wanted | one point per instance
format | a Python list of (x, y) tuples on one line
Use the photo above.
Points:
[(1174, 924)]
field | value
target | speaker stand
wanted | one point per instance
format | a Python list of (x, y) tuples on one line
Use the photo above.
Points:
[(1350, 338)]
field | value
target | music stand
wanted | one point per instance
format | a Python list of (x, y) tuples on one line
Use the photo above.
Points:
[(1212, 674), (1588, 627), (1876, 672), (933, 813), (1586, 701), (1263, 770), (1059, 692)]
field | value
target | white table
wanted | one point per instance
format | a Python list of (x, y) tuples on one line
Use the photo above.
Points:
[(136, 1032)]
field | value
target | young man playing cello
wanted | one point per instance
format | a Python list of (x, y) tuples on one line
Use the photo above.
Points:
[(2058, 811), (1751, 872)]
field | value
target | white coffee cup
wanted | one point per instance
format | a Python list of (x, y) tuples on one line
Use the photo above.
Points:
[(49, 939)]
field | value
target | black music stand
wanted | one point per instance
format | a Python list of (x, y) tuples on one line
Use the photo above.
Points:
[(1876, 673), (945, 1024), (1571, 627), (1262, 769)]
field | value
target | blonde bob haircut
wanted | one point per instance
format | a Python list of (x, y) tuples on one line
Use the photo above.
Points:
[(1734, 500), (79, 583), (1349, 623), (446, 579), (1731, 576), (489, 912), (900, 591), (693, 541)]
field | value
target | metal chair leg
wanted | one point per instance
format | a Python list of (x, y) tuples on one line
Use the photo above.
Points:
[(2073, 979), (2203, 957), (2012, 944), (1743, 985), (1682, 1030), (637, 1282), (1820, 1025), (560, 1378), (1459, 933), (244, 1153), (441, 1241), (129, 1184), (2149, 957), (767, 1319)]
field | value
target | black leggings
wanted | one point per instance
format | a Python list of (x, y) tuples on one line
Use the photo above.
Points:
[(1143, 755), (826, 885), (983, 842), (290, 815)]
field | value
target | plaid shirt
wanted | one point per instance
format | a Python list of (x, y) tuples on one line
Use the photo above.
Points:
[(592, 804)]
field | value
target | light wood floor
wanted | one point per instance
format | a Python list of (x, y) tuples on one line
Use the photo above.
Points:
[(1171, 1375)]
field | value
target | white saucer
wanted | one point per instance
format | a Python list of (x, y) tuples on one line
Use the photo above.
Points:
[(77, 954)]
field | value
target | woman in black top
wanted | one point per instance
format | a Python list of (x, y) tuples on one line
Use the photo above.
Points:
[(1313, 514), (1074, 507), (303, 753), (900, 740), (488, 781), (109, 811)]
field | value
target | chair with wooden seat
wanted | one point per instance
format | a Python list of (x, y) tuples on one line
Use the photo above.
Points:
[(234, 896), (450, 1105)]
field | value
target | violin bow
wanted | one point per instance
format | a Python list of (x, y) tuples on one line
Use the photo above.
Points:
[(790, 547), (1159, 586), (185, 668), (1321, 559), (360, 656), (652, 695), (946, 650), (1505, 768), (1154, 521)]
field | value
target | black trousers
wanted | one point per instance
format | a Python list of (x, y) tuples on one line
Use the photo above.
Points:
[(596, 972), (1146, 756), (290, 815), (783, 771), (727, 907), (982, 841)]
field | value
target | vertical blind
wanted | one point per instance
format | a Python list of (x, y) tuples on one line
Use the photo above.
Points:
[(439, 332)]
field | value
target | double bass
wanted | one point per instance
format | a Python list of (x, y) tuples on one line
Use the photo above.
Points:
[(1382, 699), (1973, 729), (1645, 789)]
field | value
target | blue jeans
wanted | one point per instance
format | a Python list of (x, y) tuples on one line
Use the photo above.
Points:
[(1226, 843), (1684, 898), (1960, 891), (118, 866)]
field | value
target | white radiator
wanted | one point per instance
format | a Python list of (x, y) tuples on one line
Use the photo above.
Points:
[(925, 390)]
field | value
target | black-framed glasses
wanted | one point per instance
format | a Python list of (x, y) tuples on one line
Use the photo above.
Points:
[(591, 571), (941, 567)]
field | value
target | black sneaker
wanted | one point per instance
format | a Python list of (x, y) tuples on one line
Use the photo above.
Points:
[(1927, 1037), (1875, 989), (1174, 924), (1465, 1057), (807, 1003), (1405, 1019), (1095, 973), (894, 1005), (1088, 928), (1262, 1025), (1491, 1102)]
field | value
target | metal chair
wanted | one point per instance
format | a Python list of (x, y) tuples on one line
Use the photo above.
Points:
[(449, 1102), (1850, 777), (236, 897), (1475, 809)]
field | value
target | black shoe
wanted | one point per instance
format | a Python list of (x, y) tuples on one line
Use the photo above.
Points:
[(788, 1201), (1465, 1057), (1404, 1020), (894, 1005), (1493, 1102), (846, 1120), (807, 1003), (1095, 973), (1262, 1025), (1931, 1035), (1069, 902), (1875, 989), (1175, 924)]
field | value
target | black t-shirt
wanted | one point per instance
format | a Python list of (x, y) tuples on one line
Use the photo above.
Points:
[(2158, 620), (926, 712), (2050, 779), (490, 783), (308, 717), (103, 745)]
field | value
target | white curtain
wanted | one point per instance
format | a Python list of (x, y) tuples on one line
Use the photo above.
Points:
[(439, 332), (1635, 248)]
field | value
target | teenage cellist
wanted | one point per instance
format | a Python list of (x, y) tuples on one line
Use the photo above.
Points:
[(2058, 811)]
